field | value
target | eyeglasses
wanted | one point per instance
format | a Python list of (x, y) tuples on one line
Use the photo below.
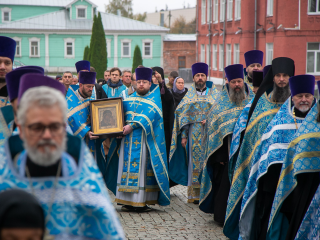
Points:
[(37, 129)]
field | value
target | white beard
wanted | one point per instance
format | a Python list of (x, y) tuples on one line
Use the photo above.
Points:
[(48, 157)]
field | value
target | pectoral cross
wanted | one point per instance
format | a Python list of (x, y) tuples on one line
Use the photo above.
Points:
[(69, 98), (136, 142)]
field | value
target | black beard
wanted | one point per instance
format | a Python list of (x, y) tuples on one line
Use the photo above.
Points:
[(142, 92), (280, 94), (237, 97), (2, 80), (200, 85)]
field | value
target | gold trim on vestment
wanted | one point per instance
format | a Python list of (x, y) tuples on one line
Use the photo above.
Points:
[(82, 126), (136, 204), (264, 114), (78, 108), (140, 99)]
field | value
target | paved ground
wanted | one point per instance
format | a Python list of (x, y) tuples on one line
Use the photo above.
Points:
[(179, 220)]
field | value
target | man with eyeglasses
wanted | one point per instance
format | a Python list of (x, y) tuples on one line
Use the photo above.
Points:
[(56, 167), (138, 173)]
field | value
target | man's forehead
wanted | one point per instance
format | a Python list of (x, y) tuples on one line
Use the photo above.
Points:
[(253, 64), (4, 59), (89, 85)]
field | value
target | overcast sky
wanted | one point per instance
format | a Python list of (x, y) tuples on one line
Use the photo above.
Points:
[(141, 6)]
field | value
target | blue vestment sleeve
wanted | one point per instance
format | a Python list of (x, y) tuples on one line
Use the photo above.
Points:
[(185, 131)]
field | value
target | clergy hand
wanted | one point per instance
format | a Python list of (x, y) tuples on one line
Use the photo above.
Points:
[(203, 122), (158, 77), (184, 142), (92, 136), (127, 129)]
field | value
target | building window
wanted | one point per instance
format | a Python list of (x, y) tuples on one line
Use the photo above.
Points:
[(69, 47), (6, 14), (220, 57), (147, 48), (34, 44), (237, 10), (215, 11), (203, 11), (81, 12), (108, 42), (313, 58), (222, 10), (182, 62), (208, 11), (229, 10), (269, 53), (18, 46), (228, 55), (269, 7), (236, 53), (202, 54), (314, 6), (125, 48), (208, 54), (214, 56)]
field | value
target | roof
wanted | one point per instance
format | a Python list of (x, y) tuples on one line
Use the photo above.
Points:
[(60, 20), (180, 37), (49, 3)]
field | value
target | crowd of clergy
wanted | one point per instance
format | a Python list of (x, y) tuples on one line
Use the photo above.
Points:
[(249, 154)]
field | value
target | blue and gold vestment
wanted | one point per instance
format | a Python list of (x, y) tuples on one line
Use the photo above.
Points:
[(262, 115), (303, 156), (272, 150), (221, 121), (6, 123), (191, 111), (79, 202), (246, 80), (144, 146)]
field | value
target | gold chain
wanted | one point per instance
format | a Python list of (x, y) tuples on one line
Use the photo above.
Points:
[(294, 117)]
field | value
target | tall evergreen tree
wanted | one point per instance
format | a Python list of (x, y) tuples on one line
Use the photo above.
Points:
[(98, 50), (93, 32), (137, 58), (86, 53)]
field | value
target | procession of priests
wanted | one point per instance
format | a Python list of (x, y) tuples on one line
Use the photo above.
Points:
[(248, 153)]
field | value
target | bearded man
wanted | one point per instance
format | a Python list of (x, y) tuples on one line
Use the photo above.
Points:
[(138, 173), (7, 52), (222, 117), (265, 105), (267, 161), (57, 168), (186, 152), (254, 60)]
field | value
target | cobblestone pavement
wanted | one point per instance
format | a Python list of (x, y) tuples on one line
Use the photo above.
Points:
[(179, 220)]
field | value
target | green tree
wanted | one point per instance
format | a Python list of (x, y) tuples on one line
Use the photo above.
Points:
[(137, 58), (125, 6), (86, 53), (140, 17), (98, 50), (180, 26)]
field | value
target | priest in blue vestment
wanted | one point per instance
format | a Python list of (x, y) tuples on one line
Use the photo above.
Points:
[(138, 173), (295, 209), (185, 160), (254, 61), (55, 167), (222, 117), (267, 161), (7, 52), (272, 93)]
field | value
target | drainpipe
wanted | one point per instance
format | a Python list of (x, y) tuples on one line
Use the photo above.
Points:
[(210, 15), (197, 32), (255, 25), (224, 38)]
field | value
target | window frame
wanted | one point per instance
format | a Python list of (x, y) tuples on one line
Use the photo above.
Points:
[(222, 12), (269, 8), (268, 57), (34, 39), (184, 60), (208, 12), (203, 12), (85, 11), (237, 10), (66, 41), (144, 41), (3, 10), (220, 57), (214, 56), (17, 39), (215, 11), (228, 54), (315, 60), (126, 40), (317, 12), (108, 43), (202, 53), (230, 10), (236, 53)]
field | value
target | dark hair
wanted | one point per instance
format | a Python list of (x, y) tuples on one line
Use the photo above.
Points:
[(116, 69), (174, 74), (140, 66), (107, 71), (92, 69), (67, 72), (100, 80)]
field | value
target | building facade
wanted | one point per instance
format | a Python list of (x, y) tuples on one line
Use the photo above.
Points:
[(179, 51), (53, 34), (283, 28)]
